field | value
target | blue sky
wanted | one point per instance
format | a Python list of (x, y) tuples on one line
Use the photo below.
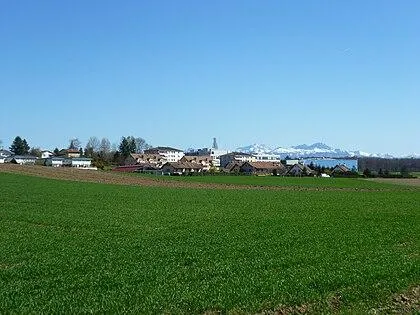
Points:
[(179, 73)]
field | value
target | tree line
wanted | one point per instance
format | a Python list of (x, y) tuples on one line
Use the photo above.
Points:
[(101, 151), (381, 165)]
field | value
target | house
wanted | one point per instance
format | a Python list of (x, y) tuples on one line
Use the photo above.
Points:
[(54, 161), (262, 168), (340, 169), (141, 168), (78, 162), (232, 167), (178, 168), (138, 158), (46, 154), (262, 157), (225, 159), (204, 160), (70, 153), (23, 159), (4, 154), (292, 162), (300, 170), (170, 154), (214, 154)]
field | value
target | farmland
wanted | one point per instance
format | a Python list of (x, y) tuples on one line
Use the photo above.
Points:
[(279, 181), (68, 246)]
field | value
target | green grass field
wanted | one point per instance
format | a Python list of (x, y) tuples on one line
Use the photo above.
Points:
[(278, 181), (69, 247)]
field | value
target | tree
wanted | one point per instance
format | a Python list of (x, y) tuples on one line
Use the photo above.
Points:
[(92, 146), (56, 151), (19, 146), (35, 152), (81, 152), (104, 147), (404, 171), (367, 172), (140, 144), (74, 144), (1, 144), (127, 146)]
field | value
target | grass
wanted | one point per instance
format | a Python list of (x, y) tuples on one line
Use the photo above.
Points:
[(69, 247), (279, 181)]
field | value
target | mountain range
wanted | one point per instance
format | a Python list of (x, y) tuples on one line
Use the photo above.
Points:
[(314, 150)]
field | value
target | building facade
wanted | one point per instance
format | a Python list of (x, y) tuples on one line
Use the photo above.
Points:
[(170, 154)]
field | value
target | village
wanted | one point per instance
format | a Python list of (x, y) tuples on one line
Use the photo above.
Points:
[(164, 160)]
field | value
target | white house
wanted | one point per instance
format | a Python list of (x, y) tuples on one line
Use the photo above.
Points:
[(54, 161), (181, 168), (4, 154), (46, 154), (81, 162), (24, 159), (170, 154), (261, 157), (292, 162)]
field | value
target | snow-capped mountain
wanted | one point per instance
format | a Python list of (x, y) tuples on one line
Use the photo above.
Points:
[(304, 150), (255, 149)]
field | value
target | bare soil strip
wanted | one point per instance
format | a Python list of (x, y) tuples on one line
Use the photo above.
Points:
[(74, 174), (399, 181)]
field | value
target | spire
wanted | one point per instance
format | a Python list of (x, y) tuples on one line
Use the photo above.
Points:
[(215, 146)]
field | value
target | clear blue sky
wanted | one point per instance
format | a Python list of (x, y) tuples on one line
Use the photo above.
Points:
[(179, 73)]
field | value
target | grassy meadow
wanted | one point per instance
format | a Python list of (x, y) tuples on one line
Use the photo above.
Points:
[(280, 181), (68, 247)]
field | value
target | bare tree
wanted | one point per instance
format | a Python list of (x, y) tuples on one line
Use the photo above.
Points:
[(93, 144), (105, 146), (141, 145), (35, 152)]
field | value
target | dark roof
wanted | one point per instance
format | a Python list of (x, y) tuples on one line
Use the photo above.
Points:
[(237, 153), (147, 156), (197, 158), (5, 152), (341, 168), (232, 164), (162, 149), (178, 165), (265, 165), (81, 159), (302, 167), (25, 157)]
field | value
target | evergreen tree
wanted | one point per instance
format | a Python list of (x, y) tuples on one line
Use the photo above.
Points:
[(127, 146), (74, 144), (25, 147), (19, 146)]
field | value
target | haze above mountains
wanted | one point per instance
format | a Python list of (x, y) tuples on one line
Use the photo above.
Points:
[(314, 150)]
